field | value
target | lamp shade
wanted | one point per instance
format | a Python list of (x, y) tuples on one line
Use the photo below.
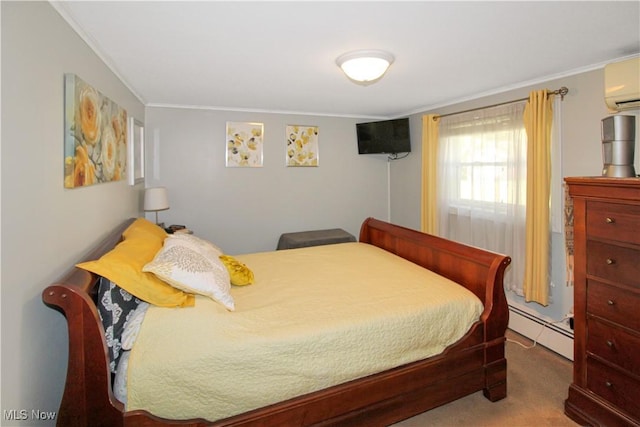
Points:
[(365, 66), (156, 199)]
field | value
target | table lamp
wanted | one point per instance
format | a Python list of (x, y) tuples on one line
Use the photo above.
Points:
[(156, 199)]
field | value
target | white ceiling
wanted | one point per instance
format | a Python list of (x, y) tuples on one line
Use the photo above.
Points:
[(280, 56)]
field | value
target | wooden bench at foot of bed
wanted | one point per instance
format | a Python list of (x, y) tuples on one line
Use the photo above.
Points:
[(474, 363)]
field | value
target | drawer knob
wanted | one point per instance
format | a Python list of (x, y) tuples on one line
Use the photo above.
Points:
[(609, 384), (610, 261), (610, 343), (611, 302), (610, 220)]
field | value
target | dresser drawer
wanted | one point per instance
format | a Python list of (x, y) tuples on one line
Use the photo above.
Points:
[(613, 221), (614, 345), (614, 386), (612, 262), (614, 304)]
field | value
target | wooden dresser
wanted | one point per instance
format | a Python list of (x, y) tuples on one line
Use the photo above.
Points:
[(606, 371)]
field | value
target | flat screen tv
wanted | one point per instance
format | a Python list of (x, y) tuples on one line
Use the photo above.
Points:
[(386, 136)]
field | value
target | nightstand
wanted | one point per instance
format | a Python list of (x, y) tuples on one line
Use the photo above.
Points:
[(176, 229)]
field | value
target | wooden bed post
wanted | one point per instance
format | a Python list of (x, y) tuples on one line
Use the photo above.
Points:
[(495, 327), (88, 376)]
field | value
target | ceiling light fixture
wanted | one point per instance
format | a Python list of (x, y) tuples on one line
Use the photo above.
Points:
[(365, 66)]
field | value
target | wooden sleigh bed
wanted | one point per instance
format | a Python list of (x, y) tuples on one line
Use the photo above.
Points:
[(475, 362)]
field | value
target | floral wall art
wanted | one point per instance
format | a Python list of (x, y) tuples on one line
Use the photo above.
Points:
[(95, 136), (244, 144), (302, 145)]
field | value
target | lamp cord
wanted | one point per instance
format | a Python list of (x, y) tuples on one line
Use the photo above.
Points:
[(535, 340)]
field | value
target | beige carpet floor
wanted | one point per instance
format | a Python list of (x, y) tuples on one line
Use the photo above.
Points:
[(537, 384)]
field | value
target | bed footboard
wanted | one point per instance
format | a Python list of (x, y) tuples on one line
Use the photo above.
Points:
[(474, 363), (479, 270)]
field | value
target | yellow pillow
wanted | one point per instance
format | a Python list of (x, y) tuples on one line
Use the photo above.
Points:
[(143, 228), (239, 273), (123, 266)]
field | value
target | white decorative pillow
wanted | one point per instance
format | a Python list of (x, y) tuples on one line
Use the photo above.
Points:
[(197, 243), (132, 325), (194, 267)]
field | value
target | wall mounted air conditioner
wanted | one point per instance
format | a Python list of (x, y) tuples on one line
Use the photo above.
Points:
[(622, 85)]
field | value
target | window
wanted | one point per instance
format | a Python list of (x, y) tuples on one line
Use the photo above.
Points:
[(482, 182)]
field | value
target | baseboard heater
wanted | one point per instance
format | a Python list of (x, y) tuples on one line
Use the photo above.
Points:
[(557, 337)]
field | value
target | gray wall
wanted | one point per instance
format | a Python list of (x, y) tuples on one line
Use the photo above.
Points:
[(246, 209), (582, 110), (44, 226)]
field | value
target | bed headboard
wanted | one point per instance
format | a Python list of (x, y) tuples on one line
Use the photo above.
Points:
[(74, 295)]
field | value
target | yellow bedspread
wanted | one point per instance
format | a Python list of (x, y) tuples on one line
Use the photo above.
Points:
[(314, 317)]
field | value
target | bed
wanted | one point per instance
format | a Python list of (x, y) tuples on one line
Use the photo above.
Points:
[(475, 361)]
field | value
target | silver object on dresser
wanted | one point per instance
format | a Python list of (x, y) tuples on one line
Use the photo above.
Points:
[(618, 143)]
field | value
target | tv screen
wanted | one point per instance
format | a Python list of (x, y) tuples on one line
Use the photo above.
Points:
[(387, 136)]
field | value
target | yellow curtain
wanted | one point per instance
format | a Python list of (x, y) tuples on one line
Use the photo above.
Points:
[(538, 115), (429, 214)]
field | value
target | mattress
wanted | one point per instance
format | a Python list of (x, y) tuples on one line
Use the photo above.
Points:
[(314, 317)]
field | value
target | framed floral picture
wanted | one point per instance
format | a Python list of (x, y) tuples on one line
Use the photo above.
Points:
[(95, 136), (244, 144), (302, 145)]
